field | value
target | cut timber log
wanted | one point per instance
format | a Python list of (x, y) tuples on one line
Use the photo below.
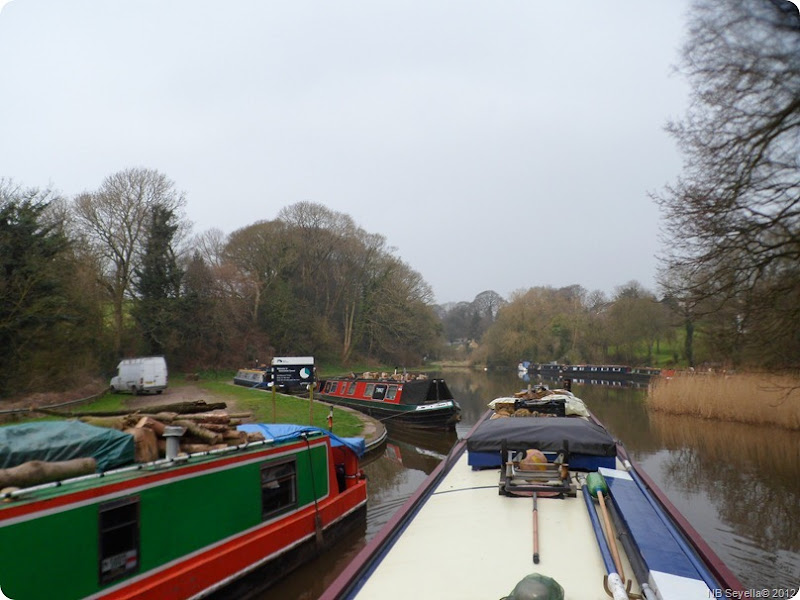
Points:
[(196, 448), (184, 408), (117, 422), (151, 423), (234, 438), (199, 432), (145, 448), (216, 427), (36, 472), (217, 418)]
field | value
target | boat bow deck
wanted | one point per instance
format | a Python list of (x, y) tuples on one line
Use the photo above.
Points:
[(479, 544)]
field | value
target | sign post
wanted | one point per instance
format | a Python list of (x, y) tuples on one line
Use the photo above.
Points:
[(292, 372), (274, 409)]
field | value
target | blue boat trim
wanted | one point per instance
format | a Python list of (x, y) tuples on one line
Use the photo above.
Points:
[(280, 431), (669, 559)]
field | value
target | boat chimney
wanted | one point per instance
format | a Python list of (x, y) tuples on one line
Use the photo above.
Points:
[(173, 435)]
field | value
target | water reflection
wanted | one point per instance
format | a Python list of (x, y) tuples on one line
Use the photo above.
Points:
[(749, 475)]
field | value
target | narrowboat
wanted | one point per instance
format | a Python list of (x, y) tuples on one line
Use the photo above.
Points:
[(188, 526), (398, 399), (538, 501), (255, 378)]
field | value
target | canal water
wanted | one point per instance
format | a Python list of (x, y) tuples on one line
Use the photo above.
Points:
[(738, 485)]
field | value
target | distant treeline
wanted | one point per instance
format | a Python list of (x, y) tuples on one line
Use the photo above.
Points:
[(115, 272)]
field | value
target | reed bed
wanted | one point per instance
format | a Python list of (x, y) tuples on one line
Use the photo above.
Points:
[(751, 398)]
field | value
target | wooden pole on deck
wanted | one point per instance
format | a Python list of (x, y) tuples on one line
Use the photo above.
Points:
[(535, 531)]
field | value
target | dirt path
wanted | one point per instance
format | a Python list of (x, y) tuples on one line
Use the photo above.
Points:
[(182, 393)]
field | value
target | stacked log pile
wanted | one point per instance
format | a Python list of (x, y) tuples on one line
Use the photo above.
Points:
[(211, 429), (202, 431)]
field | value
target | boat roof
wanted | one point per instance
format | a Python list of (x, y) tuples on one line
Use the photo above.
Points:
[(63, 440), (457, 537), (474, 543), (156, 469)]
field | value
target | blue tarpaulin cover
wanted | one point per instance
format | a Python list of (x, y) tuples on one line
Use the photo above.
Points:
[(279, 431), (64, 440)]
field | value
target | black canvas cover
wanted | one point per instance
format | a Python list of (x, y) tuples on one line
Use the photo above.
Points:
[(543, 433), (425, 390)]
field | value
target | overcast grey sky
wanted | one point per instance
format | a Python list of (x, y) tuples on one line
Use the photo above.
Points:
[(496, 144)]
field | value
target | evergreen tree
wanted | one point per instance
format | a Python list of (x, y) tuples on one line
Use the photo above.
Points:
[(34, 300), (158, 284)]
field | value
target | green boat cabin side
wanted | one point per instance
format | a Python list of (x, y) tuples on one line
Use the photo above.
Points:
[(81, 549)]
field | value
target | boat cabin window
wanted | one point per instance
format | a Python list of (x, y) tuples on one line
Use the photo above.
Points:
[(392, 392), (369, 389), (379, 393), (351, 389), (118, 525), (278, 488), (342, 387), (330, 386)]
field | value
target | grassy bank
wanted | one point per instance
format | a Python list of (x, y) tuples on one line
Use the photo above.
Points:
[(752, 398), (286, 409)]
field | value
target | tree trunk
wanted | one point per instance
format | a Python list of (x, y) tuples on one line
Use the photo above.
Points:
[(36, 472)]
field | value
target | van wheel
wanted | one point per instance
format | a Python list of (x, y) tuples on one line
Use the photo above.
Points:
[(135, 390), (158, 391), (113, 390)]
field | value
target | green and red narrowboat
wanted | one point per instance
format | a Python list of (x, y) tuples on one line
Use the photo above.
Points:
[(400, 399), (184, 527)]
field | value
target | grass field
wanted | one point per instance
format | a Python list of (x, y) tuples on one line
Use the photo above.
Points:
[(286, 409), (753, 398)]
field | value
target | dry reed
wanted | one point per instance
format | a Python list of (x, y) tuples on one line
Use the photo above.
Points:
[(752, 398)]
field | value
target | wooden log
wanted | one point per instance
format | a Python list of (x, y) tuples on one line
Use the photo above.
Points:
[(234, 438), (165, 417), (218, 418), (145, 445), (241, 415), (255, 436), (36, 472), (184, 408), (117, 422), (195, 448), (200, 432), (232, 434), (216, 427), (152, 424)]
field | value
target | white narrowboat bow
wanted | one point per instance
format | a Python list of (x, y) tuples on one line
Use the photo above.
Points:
[(588, 525)]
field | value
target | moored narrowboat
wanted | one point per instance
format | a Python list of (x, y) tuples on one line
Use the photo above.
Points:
[(183, 527), (399, 399), (538, 501), (255, 378)]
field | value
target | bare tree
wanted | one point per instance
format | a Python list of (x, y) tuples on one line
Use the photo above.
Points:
[(114, 221), (732, 220)]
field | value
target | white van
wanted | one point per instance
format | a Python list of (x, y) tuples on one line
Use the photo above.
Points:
[(140, 375)]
